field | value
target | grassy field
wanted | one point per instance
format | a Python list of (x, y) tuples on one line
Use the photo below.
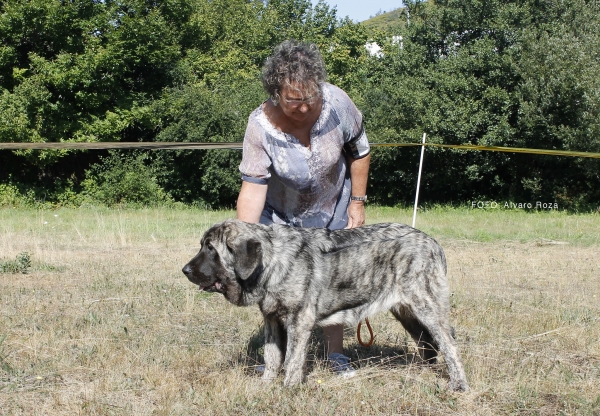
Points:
[(105, 323)]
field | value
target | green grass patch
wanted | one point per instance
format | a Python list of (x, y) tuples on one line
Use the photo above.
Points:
[(134, 224), (459, 223), (21, 264), (463, 223)]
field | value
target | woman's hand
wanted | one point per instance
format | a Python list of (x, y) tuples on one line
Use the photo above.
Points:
[(359, 172), (356, 214)]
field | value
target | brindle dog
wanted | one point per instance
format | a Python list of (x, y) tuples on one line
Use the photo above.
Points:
[(302, 277)]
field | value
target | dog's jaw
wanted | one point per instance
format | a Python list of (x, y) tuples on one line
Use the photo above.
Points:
[(210, 276), (214, 287), (228, 287)]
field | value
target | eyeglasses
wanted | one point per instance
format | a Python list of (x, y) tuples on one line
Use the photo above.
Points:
[(297, 103)]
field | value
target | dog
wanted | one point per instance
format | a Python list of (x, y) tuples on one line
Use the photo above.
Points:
[(303, 277)]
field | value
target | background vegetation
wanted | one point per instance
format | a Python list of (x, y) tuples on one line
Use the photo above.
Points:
[(493, 72)]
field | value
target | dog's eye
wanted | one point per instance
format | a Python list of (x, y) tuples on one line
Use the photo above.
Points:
[(209, 246)]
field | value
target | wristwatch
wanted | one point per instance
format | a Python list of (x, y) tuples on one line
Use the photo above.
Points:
[(359, 198)]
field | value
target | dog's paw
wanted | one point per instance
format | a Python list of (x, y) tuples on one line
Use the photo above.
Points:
[(458, 385), (268, 376), (293, 380)]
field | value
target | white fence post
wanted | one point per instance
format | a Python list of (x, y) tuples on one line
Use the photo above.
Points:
[(419, 181)]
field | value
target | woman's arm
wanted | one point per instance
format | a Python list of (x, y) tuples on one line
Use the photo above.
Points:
[(251, 201), (359, 174)]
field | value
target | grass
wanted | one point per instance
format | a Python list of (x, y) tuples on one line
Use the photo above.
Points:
[(105, 323), (20, 264), (492, 225)]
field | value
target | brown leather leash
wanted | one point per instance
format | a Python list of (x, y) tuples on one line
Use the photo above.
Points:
[(360, 341)]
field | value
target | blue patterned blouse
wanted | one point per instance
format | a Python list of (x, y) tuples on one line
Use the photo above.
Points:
[(307, 187)]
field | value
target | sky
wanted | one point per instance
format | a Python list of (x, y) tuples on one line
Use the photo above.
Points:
[(360, 10)]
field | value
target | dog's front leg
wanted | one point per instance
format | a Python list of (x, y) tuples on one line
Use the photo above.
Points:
[(295, 357), (275, 346)]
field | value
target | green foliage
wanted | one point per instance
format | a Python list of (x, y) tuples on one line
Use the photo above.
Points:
[(21, 264), (386, 22), (559, 99), (345, 55), (486, 72), (123, 178), (9, 195), (198, 113), (83, 70), (184, 70), (489, 73)]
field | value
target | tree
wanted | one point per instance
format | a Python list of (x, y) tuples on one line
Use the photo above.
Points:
[(478, 72), (83, 70)]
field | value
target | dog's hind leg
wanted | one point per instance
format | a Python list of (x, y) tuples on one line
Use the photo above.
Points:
[(439, 332), (426, 346), (275, 346), (442, 336)]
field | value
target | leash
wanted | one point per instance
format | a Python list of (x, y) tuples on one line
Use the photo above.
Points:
[(360, 341)]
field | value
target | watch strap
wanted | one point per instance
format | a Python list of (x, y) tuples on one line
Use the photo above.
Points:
[(358, 198)]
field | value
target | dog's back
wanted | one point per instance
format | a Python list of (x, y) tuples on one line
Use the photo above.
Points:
[(380, 267), (398, 268), (374, 232)]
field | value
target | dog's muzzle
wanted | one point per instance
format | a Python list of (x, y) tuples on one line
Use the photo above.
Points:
[(187, 270), (211, 287)]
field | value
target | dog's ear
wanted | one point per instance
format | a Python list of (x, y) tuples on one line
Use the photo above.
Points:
[(248, 255)]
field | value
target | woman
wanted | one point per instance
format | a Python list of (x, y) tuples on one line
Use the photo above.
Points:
[(306, 156)]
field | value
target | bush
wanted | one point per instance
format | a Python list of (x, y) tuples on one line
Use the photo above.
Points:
[(20, 265), (10, 195), (123, 178)]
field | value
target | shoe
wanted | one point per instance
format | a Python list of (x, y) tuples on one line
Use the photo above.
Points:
[(340, 365)]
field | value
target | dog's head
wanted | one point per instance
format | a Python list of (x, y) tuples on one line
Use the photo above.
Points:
[(229, 260)]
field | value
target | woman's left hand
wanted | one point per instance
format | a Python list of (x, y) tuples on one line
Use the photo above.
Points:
[(359, 171), (356, 214)]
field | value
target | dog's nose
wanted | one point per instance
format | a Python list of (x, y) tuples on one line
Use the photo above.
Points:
[(187, 270)]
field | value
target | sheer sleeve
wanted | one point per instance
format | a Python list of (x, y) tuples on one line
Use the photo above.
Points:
[(255, 159), (356, 143)]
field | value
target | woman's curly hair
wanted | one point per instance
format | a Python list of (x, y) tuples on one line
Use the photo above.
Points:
[(294, 62)]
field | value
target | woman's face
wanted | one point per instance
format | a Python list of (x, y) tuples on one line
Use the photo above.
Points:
[(296, 103)]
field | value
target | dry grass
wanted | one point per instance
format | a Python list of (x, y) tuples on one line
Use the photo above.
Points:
[(105, 323)]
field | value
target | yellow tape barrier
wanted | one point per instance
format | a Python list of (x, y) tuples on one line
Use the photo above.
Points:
[(497, 149), (238, 145)]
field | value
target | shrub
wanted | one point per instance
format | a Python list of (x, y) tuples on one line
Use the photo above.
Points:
[(123, 178), (20, 265), (9, 195)]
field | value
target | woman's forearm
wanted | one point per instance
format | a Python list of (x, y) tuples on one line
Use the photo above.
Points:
[(359, 174), (251, 201)]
